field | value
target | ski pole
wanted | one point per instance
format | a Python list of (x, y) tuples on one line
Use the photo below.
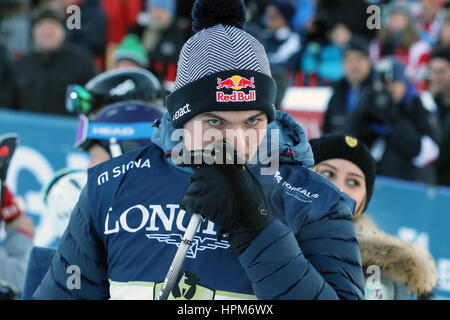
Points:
[(186, 242), (180, 255)]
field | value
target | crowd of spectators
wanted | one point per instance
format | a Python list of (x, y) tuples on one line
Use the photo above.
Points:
[(378, 75)]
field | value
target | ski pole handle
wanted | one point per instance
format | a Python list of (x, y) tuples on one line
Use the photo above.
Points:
[(178, 260)]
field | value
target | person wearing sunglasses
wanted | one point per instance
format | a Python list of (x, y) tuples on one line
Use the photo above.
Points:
[(103, 131), (406, 268), (116, 109), (114, 130)]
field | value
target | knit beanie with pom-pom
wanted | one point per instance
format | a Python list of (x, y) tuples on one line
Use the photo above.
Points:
[(221, 67)]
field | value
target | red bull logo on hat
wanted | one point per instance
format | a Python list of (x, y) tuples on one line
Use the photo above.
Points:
[(235, 83)]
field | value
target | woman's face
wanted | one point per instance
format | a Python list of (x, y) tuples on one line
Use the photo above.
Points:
[(348, 177)]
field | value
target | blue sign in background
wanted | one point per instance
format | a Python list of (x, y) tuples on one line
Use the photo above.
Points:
[(411, 211), (418, 213), (46, 145)]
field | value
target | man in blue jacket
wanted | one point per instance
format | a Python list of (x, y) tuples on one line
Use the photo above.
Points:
[(287, 236)]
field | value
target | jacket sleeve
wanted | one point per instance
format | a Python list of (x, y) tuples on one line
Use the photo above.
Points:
[(336, 113), (321, 261), (327, 125), (80, 250), (408, 131), (14, 253)]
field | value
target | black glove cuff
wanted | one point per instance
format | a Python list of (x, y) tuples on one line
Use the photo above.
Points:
[(241, 238)]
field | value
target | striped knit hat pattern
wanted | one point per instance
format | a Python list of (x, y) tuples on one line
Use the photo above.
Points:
[(221, 67)]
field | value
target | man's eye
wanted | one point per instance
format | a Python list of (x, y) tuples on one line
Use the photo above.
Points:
[(214, 122), (253, 122)]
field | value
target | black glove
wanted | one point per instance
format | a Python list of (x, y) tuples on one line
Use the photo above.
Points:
[(221, 193)]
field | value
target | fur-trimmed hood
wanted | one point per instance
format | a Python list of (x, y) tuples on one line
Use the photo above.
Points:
[(398, 260)]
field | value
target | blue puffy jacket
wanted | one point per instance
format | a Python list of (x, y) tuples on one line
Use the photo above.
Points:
[(124, 231)]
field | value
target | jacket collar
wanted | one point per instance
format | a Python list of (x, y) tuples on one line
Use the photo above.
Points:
[(293, 146)]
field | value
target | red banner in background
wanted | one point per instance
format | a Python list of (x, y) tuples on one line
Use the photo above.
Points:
[(307, 105)]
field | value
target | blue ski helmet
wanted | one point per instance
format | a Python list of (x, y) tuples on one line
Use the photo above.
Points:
[(128, 123), (113, 86)]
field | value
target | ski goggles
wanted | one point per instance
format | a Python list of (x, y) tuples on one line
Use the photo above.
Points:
[(78, 99), (89, 131)]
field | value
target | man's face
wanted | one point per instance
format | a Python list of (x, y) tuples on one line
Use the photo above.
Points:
[(398, 22), (126, 63), (356, 67), (398, 89), (440, 75), (48, 35), (429, 9), (445, 33), (340, 35), (243, 130), (274, 19), (97, 155)]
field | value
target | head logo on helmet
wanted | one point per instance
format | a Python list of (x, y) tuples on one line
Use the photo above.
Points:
[(130, 124)]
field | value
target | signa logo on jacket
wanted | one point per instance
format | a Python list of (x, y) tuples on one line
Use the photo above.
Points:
[(122, 169)]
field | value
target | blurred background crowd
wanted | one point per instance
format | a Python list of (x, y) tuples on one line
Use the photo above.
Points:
[(385, 64), (390, 73)]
